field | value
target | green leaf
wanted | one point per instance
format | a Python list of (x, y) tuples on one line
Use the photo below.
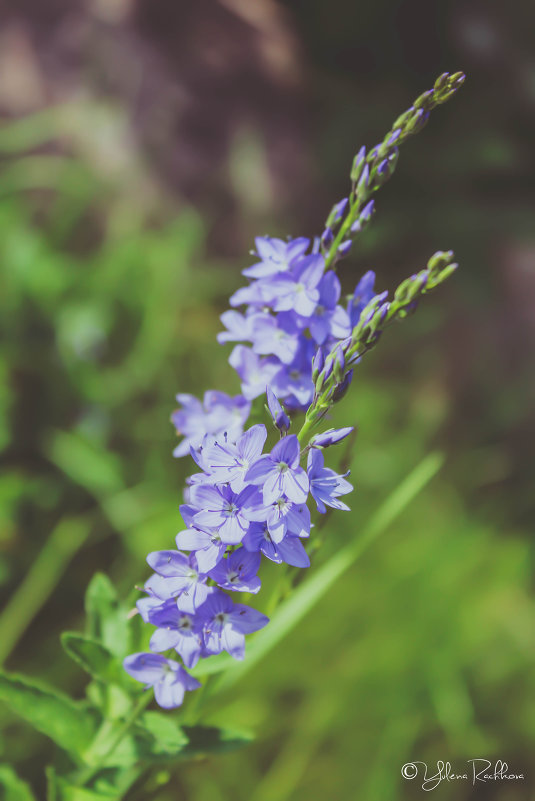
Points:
[(95, 469), (92, 656), (311, 591), (60, 789), (69, 724), (212, 740), (14, 789), (107, 618), (166, 736)]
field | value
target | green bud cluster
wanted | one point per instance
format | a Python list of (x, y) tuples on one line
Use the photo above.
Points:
[(332, 381), (371, 170)]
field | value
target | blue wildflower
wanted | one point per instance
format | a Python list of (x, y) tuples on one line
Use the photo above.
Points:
[(208, 546), (279, 473), (364, 292), (177, 575), (169, 679), (223, 510), (299, 291), (276, 256), (177, 629), (254, 372), (277, 336), (227, 623), (230, 463), (326, 486), (289, 549), (238, 571), (216, 414)]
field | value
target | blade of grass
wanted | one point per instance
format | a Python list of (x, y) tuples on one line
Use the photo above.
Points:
[(65, 540)]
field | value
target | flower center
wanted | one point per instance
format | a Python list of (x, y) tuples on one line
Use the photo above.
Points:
[(282, 467), (230, 510)]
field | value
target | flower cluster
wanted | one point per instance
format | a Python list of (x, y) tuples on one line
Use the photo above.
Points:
[(248, 500), (292, 314), (244, 503)]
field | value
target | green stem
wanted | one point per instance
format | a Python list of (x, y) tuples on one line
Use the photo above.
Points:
[(92, 770), (64, 541)]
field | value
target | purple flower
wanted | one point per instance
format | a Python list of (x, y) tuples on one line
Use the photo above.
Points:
[(299, 291), (280, 474), (169, 679), (178, 575), (224, 510), (146, 604), (293, 382), (238, 572), (208, 546), (253, 371), (217, 413), (362, 295), (289, 549), (275, 337), (227, 623), (326, 486), (328, 319), (176, 629), (229, 463), (276, 256), (238, 327)]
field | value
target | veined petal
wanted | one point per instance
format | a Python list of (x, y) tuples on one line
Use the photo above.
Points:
[(169, 563), (292, 551), (163, 639), (286, 450), (258, 472), (296, 485), (252, 441)]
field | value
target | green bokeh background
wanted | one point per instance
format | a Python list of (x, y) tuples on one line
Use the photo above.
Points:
[(143, 146)]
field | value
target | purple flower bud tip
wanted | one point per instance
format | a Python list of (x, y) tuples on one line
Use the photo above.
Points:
[(327, 238), (279, 416), (345, 247), (330, 437), (340, 208), (367, 211), (341, 389)]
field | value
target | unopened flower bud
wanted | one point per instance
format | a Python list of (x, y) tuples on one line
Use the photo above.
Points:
[(327, 238), (330, 437), (358, 165), (344, 248), (279, 416), (341, 389)]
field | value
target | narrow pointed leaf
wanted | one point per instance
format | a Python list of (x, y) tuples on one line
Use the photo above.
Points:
[(12, 788), (69, 724), (167, 737), (107, 618), (212, 740), (92, 656)]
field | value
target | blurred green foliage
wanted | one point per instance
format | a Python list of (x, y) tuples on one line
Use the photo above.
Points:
[(422, 649)]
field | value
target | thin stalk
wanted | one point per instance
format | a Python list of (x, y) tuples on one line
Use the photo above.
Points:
[(92, 771), (64, 542)]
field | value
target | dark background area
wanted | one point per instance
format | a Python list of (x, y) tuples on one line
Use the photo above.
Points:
[(143, 145)]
